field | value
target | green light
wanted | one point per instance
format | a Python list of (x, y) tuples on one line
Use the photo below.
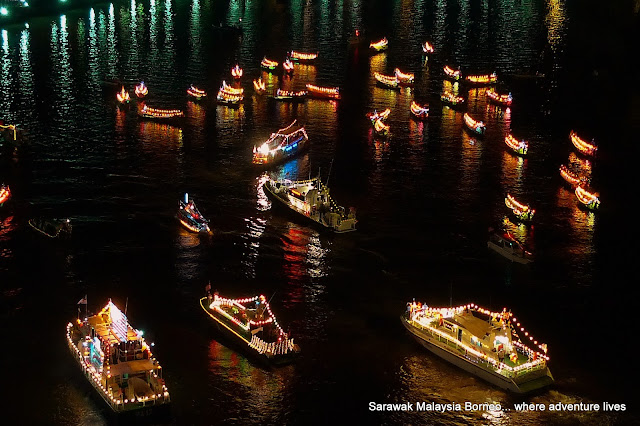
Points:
[(4, 11)]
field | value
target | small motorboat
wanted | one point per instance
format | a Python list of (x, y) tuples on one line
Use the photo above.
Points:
[(190, 217)]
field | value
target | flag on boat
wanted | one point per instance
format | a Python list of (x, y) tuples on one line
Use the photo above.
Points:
[(83, 301)]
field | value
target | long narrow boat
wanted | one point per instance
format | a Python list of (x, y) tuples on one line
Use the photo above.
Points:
[(52, 228), (375, 115), (118, 363), (482, 79), (302, 56), (387, 81), (521, 211), (196, 93), (323, 92), (190, 217), (453, 74), (311, 199), (583, 146), (259, 86), (123, 96), (160, 114), (497, 98), (283, 144), (427, 47), (421, 112), (287, 66), (589, 199), (572, 178), (230, 96), (506, 245), (268, 64), (141, 90), (251, 323), (519, 147), (236, 72), (5, 194), (450, 99), (475, 126), (490, 345), (404, 78), (287, 95), (379, 45)]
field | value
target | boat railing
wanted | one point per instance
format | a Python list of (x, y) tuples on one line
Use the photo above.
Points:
[(280, 347)]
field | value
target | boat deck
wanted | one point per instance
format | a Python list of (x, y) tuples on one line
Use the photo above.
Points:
[(133, 367)]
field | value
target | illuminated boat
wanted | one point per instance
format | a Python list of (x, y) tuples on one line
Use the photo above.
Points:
[(287, 95), (268, 64), (287, 66), (117, 361), (52, 228), (190, 217), (490, 345), (141, 90), (519, 147), (477, 127), (323, 92), (302, 56), (571, 178), (311, 199), (230, 96), (481, 79), (499, 99), (5, 194), (236, 72), (404, 78), (522, 211), (449, 98), (259, 86), (380, 128), (451, 73), (283, 144), (160, 114), (427, 47), (375, 115), (123, 96), (506, 245), (251, 323), (387, 81), (419, 111), (589, 199), (379, 45), (583, 146), (196, 93)]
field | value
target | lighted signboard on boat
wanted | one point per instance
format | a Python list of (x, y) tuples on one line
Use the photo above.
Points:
[(118, 323)]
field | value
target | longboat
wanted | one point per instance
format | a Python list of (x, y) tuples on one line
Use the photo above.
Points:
[(589, 199), (141, 90), (236, 72), (123, 96), (375, 115), (381, 129), (268, 64), (287, 95), (259, 86), (323, 92), (387, 81), (586, 148), (52, 228), (420, 112), (190, 217), (310, 198), (196, 93), (406, 79), (452, 74), (519, 147), (302, 57), (572, 178), (285, 143), (499, 99), (482, 79), (251, 323), (475, 126), (490, 345), (118, 363), (159, 114), (506, 245), (5, 194), (230, 96), (379, 45), (523, 212), (450, 99), (427, 47)]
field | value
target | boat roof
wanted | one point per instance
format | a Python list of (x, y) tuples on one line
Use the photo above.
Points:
[(109, 325), (476, 326), (291, 128), (132, 367)]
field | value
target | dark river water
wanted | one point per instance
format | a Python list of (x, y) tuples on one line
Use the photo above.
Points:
[(424, 198)]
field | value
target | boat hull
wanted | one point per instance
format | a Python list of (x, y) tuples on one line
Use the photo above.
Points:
[(509, 254), (281, 158), (532, 381)]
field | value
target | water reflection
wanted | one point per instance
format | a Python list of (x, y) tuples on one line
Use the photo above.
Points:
[(513, 169), (6, 82), (25, 76)]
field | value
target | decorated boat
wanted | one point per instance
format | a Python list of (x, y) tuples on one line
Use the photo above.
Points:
[(5, 194), (230, 96), (302, 56), (268, 64), (449, 98), (251, 323), (288, 95), (482, 79), (190, 217), (475, 126), (196, 93), (287, 66), (521, 211), (118, 363), (380, 128), (52, 228), (311, 199), (283, 144), (427, 47), (453, 74), (323, 92), (583, 146), (418, 111), (498, 98), (508, 246), (404, 78), (160, 114), (519, 147), (589, 199), (387, 81), (236, 72), (379, 45), (123, 96), (375, 115), (259, 86), (490, 345), (141, 90), (572, 178)]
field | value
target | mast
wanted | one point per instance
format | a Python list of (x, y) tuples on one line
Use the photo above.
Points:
[(329, 175)]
